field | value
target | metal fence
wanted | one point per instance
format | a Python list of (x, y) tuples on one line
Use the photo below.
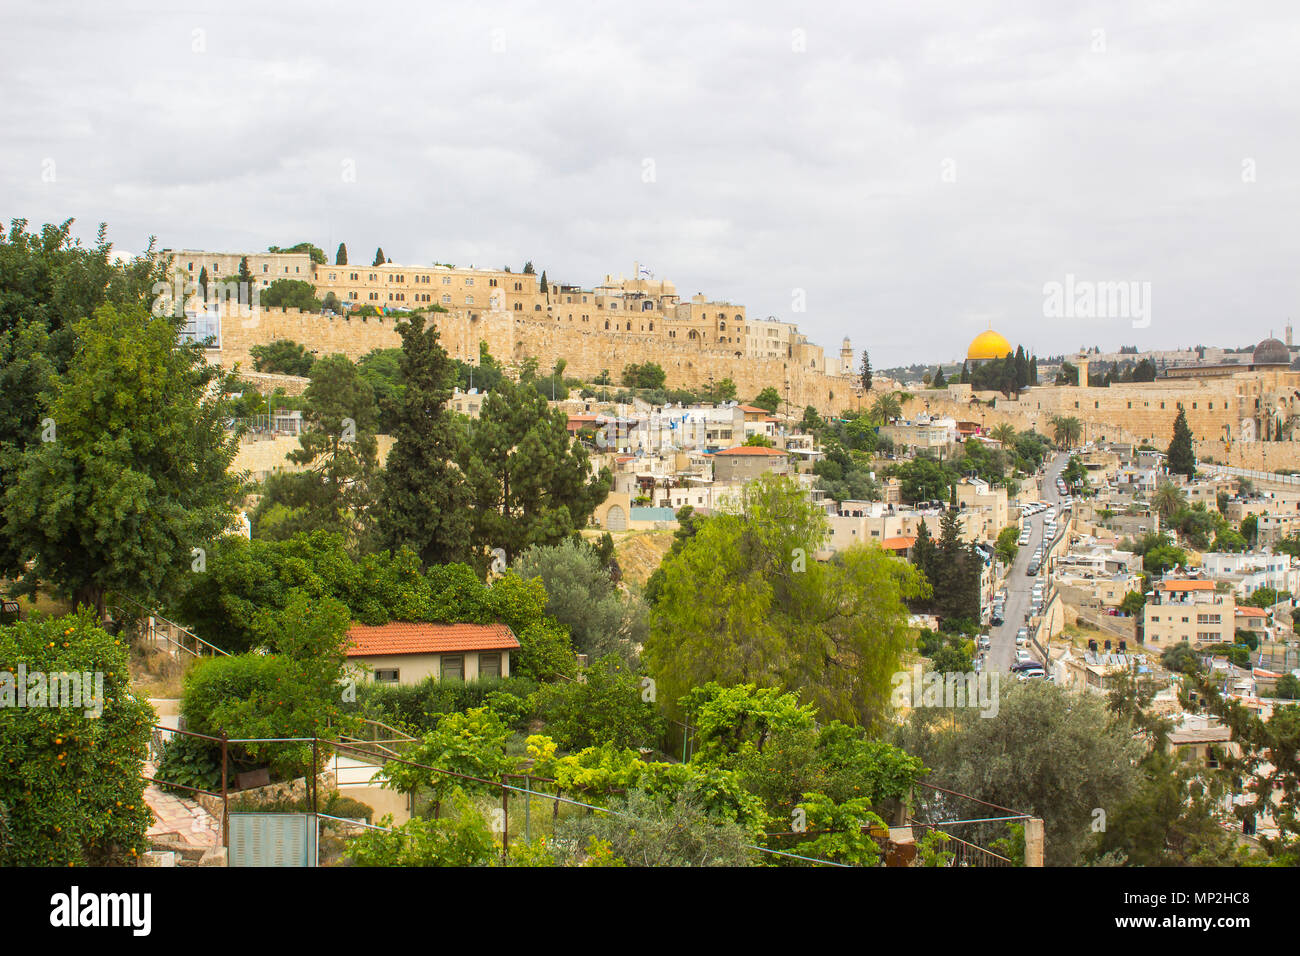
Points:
[(971, 829), (532, 805)]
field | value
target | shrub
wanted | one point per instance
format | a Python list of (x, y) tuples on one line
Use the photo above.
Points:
[(462, 838), (607, 709), (190, 762), (263, 696), (72, 786), (418, 707)]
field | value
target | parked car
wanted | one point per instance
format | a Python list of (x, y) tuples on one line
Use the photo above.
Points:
[(984, 642)]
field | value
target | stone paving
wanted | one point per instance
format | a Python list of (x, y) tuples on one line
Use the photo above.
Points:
[(180, 816)]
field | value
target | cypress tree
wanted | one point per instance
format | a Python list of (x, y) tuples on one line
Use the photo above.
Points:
[(866, 371), (379, 257), (543, 286), (341, 257), (1182, 460)]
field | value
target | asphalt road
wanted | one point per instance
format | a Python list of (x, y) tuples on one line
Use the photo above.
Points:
[(1002, 654)]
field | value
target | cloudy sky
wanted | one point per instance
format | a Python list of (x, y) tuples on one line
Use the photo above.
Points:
[(902, 173)]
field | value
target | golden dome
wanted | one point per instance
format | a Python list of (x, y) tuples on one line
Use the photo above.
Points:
[(988, 345)]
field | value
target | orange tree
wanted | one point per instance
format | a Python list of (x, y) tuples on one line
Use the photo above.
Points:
[(71, 783)]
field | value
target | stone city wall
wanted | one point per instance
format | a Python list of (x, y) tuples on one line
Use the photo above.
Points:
[(511, 340)]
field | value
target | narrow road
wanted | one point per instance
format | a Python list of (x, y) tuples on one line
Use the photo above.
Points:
[(1002, 653)]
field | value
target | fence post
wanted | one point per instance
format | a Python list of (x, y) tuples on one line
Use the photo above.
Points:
[(505, 823), (1034, 842), (528, 810), (225, 795), (315, 770)]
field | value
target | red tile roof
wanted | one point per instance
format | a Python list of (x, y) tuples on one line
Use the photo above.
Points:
[(402, 637), (754, 408), (1251, 611), (750, 450), (899, 543)]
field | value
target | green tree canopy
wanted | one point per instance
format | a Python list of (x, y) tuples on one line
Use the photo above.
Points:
[(290, 294), (531, 483), (339, 457), (134, 474), (282, 357), (1015, 759), (831, 632), (423, 497), (768, 399)]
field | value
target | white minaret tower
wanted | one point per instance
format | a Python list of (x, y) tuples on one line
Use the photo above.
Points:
[(846, 356)]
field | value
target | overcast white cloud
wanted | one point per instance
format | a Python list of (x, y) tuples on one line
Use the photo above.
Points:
[(488, 133)]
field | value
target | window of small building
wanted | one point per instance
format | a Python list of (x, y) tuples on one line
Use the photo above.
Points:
[(489, 665), (452, 667), (386, 675)]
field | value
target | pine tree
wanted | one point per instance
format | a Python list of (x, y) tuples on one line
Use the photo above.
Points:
[(341, 257), (938, 381), (866, 371), (528, 268), (1181, 458), (965, 374), (245, 277), (531, 483), (424, 500), (379, 257)]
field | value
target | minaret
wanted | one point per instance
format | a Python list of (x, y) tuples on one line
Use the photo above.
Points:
[(846, 356), (1082, 362)]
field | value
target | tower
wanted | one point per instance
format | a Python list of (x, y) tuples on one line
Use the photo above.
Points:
[(1082, 362), (846, 357)]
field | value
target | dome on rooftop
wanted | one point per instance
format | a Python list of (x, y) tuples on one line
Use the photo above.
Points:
[(988, 345), (1271, 352)]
